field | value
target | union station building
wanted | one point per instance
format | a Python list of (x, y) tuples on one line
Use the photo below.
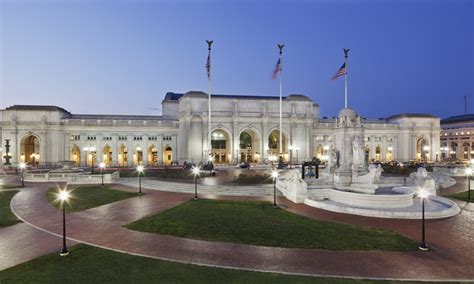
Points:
[(244, 128)]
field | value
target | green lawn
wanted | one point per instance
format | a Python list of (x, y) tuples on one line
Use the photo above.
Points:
[(88, 264), (245, 179), (7, 218), (463, 195), (259, 223), (86, 197)]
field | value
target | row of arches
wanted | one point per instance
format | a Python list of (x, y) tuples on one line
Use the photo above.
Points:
[(249, 147), (89, 157), (322, 152), (465, 151), (386, 154)]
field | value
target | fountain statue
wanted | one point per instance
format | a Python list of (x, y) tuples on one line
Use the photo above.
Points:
[(349, 185)]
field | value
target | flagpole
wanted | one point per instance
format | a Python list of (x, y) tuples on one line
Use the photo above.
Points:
[(280, 161), (209, 145), (346, 51)]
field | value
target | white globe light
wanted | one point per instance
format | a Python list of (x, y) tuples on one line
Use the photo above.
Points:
[(63, 195), (469, 171), (22, 166), (102, 165), (423, 193), (195, 171), (140, 168), (274, 174)]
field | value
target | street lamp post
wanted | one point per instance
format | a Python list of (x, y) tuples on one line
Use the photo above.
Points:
[(468, 175), (102, 168), (196, 172), (86, 149), (140, 170), (22, 167), (423, 194), (63, 197), (274, 176), (291, 154), (92, 152), (297, 149)]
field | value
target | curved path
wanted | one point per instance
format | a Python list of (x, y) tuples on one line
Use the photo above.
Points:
[(451, 240)]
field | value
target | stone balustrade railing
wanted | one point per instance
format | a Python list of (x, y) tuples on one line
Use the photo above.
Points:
[(72, 178)]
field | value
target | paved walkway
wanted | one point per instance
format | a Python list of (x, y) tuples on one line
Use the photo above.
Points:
[(451, 240)]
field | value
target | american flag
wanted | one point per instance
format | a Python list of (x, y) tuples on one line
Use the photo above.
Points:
[(277, 69), (340, 72), (208, 66)]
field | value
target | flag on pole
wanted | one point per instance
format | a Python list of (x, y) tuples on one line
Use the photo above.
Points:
[(208, 66), (340, 72), (277, 69)]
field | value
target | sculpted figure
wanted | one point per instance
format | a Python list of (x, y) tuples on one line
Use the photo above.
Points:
[(358, 154), (333, 162)]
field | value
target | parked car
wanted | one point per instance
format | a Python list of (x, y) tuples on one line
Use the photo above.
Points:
[(244, 165)]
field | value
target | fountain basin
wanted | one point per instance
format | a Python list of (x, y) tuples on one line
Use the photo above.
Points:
[(395, 199)]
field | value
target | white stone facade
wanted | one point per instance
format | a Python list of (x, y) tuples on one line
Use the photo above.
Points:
[(245, 128)]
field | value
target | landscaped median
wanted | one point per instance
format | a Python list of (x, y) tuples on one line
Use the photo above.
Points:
[(463, 195), (7, 218), (259, 223), (86, 197), (88, 264)]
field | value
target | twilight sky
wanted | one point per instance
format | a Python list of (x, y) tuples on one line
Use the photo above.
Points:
[(122, 57)]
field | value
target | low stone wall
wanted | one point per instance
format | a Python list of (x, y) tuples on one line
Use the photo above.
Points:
[(355, 199), (453, 171), (72, 178), (297, 192)]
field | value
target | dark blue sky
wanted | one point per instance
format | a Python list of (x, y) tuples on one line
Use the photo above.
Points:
[(123, 56)]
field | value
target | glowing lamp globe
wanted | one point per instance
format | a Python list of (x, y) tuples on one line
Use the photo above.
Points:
[(63, 195), (423, 193), (195, 171), (274, 174)]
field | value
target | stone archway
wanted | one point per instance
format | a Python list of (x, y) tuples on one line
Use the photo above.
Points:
[(152, 155), (123, 156), (167, 155), (220, 146), (422, 149), (76, 155), (107, 155), (249, 146), (274, 144), (319, 152), (30, 150), (137, 156)]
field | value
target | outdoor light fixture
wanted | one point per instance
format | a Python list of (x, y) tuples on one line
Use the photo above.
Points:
[(63, 197), (291, 148), (468, 175), (102, 168), (22, 167), (423, 194), (195, 170), (140, 170), (297, 149), (274, 176)]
